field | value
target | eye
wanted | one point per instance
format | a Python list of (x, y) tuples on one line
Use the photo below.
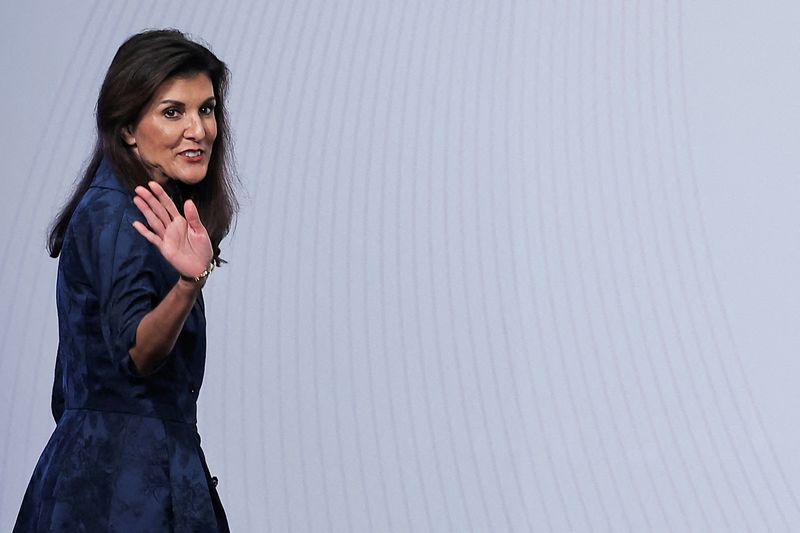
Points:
[(207, 109), (171, 112)]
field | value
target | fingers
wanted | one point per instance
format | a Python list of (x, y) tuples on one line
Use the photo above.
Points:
[(192, 215), (164, 199), (146, 233), (156, 205), (153, 221)]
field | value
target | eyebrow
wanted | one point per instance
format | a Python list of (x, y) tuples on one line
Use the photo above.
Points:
[(178, 103)]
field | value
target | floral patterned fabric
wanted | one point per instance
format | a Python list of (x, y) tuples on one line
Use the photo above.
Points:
[(125, 455)]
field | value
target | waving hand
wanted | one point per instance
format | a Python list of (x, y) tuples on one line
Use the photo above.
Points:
[(183, 242)]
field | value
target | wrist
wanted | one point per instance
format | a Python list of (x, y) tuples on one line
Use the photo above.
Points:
[(200, 278), (190, 285)]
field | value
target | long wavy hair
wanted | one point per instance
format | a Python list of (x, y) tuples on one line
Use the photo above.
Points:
[(141, 65)]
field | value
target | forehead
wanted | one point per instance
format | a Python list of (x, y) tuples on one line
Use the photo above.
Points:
[(196, 88)]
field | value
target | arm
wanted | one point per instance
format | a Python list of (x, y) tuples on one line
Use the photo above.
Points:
[(184, 243), (159, 329)]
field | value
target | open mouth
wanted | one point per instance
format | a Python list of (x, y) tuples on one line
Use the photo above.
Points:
[(194, 155)]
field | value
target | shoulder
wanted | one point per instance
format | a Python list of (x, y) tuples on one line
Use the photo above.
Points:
[(104, 214), (100, 243), (106, 203)]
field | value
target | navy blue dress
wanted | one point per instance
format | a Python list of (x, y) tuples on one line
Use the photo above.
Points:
[(125, 455)]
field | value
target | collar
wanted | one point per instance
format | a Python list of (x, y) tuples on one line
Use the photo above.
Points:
[(106, 178)]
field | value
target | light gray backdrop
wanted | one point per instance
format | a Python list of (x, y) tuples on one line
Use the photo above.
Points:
[(500, 266)]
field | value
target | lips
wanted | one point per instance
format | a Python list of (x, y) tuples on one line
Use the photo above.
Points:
[(192, 155)]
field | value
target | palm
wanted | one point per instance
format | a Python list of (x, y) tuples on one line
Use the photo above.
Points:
[(183, 241)]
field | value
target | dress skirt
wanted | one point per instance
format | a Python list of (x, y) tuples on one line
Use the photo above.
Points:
[(104, 471)]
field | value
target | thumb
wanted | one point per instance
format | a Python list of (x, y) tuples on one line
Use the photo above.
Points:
[(191, 214)]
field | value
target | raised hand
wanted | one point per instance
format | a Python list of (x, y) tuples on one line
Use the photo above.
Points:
[(183, 242)]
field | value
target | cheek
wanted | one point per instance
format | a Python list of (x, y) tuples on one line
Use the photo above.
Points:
[(169, 135), (160, 137)]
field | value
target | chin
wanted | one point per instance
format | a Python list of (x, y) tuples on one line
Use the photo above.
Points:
[(191, 178)]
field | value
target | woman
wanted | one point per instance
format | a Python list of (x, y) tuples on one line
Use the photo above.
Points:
[(137, 241)]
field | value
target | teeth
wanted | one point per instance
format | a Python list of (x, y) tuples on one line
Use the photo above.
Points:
[(191, 153)]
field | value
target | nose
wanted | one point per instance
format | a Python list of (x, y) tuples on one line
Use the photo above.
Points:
[(194, 128)]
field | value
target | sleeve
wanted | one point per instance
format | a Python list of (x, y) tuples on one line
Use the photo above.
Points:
[(132, 273)]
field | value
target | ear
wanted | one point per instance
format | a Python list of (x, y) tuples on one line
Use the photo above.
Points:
[(128, 137)]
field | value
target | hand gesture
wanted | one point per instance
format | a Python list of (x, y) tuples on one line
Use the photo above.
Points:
[(183, 242)]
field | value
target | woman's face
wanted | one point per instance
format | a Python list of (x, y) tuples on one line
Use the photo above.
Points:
[(176, 132)]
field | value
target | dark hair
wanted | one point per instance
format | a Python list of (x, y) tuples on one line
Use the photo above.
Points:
[(141, 65)]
